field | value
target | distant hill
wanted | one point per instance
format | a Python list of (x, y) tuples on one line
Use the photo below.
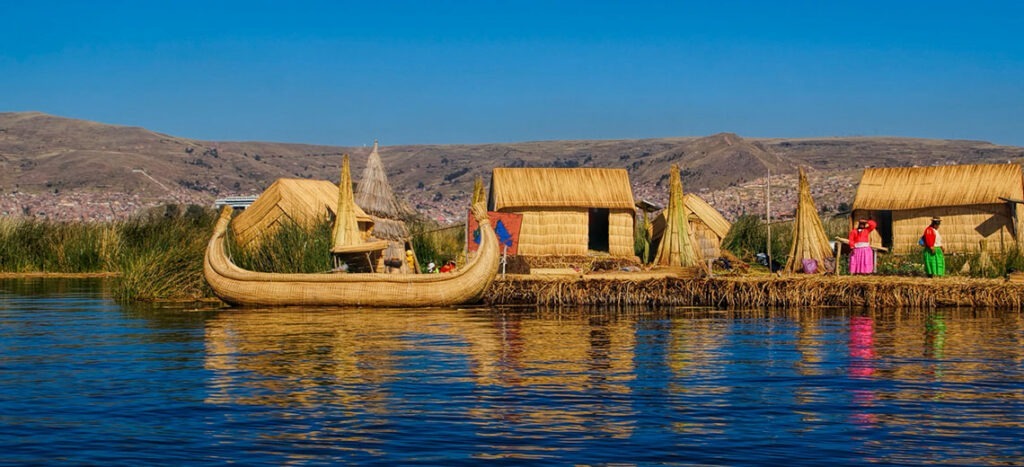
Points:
[(69, 168)]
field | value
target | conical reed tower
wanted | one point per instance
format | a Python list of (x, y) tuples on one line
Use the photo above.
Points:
[(375, 195), (809, 239), (677, 247), (346, 227)]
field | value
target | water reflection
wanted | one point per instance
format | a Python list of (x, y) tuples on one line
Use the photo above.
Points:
[(521, 383), (442, 386)]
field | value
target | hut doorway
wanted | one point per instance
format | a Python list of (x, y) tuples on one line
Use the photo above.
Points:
[(884, 229), (597, 229)]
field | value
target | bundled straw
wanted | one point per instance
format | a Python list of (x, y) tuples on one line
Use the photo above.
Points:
[(376, 197), (677, 244), (730, 292), (809, 239), (346, 229)]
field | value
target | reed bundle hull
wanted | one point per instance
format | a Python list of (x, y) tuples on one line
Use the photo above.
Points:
[(242, 287)]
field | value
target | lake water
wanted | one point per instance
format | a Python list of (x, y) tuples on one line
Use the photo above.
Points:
[(84, 380)]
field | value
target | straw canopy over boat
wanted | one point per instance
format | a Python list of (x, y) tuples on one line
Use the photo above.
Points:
[(677, 246), (349, 245), (809, 239), (238, 286)]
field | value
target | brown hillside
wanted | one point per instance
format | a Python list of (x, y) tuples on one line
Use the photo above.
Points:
[(67, 168)]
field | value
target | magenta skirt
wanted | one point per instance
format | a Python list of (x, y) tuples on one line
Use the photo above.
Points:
[(862, 261)]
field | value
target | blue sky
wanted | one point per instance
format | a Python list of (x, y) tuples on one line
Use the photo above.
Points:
[(436, 72)]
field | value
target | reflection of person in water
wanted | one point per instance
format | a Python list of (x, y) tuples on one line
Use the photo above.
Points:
[(935, 340), (862, 357), (862, 346)]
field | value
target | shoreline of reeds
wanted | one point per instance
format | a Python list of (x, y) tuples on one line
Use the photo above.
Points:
[(761, 291)]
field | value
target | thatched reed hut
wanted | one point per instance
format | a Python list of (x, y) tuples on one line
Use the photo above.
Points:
[(810, 251), (979, 205), (567, 212), (288, 200), (708, 226)]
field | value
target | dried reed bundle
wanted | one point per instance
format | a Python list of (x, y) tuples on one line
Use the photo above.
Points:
[(376, 197), (760, 292), (809, 239), (677, 247), (346, 230)]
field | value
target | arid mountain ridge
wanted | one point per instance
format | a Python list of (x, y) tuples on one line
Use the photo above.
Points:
[(74, 169)]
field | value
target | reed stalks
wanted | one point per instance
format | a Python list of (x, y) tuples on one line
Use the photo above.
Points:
[(762, 291), (161, 255), (158, 253), (436, 244), (291, 249)]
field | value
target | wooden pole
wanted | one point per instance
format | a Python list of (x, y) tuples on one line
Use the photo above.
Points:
[(768, 215)]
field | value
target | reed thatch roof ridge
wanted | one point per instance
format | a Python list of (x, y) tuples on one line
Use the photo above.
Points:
[(301, 201), (707, 214), (900, 188), (561, 187)]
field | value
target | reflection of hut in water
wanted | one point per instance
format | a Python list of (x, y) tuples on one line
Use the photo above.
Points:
[(281, 358), (375, 195), (302, 202), (980, 205), (708, 226), (567, 212)]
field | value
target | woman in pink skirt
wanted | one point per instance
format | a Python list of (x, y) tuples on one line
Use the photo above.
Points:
[(862, 258)]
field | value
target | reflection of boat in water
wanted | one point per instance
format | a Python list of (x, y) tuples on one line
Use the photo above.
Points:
[(243, 287)]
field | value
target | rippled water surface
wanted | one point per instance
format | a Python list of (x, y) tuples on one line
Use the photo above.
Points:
[(84, 380)]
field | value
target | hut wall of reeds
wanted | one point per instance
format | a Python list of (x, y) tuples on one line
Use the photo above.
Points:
[(979, 205), (303, 202), (567, 211)]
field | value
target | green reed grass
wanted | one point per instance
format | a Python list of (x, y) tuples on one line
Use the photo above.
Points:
[(291, 249), (161, 255), (31, 245), (437, 244), (158, 254)]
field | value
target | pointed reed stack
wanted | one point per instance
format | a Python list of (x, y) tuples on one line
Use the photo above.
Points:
[(809, 239)]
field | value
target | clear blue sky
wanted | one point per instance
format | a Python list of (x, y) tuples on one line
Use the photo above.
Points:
[(480, 71)]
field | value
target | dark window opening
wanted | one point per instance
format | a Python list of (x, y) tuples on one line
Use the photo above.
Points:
[(597, 228)]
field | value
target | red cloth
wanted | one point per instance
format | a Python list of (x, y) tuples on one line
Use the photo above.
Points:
[(864, 235), (929, 237)]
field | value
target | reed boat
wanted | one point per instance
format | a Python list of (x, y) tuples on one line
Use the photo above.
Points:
[(242, 287)]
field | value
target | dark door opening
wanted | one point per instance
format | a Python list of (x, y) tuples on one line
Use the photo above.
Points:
[(597, 228), (884, 220)]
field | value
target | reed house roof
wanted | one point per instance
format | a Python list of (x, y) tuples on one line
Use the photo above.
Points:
[(303, 202), (900, 188), (560, 188)]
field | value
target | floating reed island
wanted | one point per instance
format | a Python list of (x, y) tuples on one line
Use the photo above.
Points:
[(754, 291)]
